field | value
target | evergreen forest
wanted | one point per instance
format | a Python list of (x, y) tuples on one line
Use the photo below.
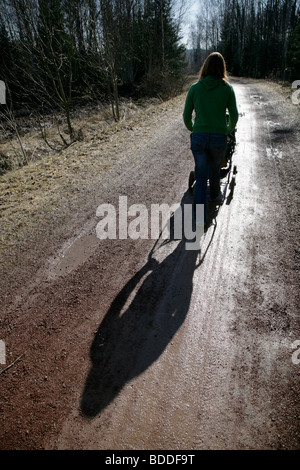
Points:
[(54, 52)]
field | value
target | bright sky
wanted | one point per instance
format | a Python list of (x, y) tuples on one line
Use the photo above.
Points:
[(191, 8)]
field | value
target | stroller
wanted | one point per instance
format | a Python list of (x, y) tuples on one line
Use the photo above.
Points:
[(226, 168)]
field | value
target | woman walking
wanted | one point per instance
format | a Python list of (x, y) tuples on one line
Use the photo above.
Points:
[(209, 98)]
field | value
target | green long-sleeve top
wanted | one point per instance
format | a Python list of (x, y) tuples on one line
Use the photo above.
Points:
[(210, 98)]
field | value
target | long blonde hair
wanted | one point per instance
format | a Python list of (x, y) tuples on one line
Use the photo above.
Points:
[(214, 66)]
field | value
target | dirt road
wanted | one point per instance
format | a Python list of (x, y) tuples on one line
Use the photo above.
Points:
[(133, 344)]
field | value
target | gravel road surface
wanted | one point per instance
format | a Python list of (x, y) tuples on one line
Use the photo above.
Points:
[(140, 343)]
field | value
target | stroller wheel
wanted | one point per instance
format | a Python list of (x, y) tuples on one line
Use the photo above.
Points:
[(191, 179)]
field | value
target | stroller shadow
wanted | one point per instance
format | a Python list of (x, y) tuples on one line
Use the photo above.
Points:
[(135, 331)]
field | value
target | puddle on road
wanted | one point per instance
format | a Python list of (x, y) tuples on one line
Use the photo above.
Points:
[(258, 100), (272, 124), (73, 255), (273, 153)]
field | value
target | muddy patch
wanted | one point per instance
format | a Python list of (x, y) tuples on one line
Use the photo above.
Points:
[(73, 255)]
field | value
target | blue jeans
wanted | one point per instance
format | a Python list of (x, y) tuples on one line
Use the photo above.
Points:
[(208, 151)]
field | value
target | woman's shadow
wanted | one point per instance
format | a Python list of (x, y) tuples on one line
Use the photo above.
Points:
[(134, 333)]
